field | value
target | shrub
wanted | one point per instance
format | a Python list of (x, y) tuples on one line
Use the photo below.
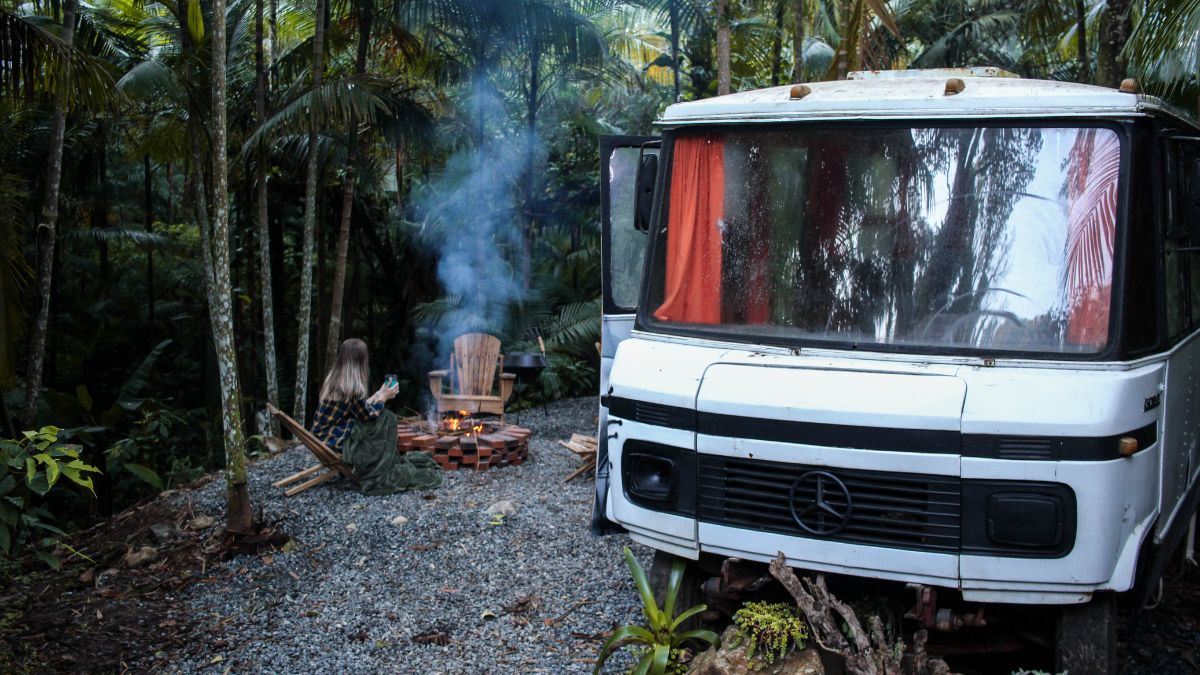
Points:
[(33, 465), (772, 628)]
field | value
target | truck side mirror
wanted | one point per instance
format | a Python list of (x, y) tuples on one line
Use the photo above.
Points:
[(646, 176)]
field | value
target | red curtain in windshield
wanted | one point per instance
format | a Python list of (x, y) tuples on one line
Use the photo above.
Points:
[(1095, 161), (693, 283)]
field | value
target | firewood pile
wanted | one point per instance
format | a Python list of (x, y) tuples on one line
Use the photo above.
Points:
[(585, 447)]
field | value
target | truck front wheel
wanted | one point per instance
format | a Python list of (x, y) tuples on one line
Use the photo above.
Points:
[(1086, 637)]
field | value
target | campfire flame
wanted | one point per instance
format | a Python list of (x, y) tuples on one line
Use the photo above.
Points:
[(462, 423)]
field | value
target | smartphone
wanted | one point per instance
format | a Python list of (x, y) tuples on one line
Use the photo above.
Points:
[(391, 380)]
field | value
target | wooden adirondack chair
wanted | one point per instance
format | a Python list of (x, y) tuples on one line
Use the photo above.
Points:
[(471, 381), (329, 460)]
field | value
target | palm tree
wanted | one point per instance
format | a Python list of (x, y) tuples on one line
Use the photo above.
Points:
[(364, 14), (304, 313), (1164, 50), (722, 47), (264, 239), (239, 517), (1116, 24), (47, 231)]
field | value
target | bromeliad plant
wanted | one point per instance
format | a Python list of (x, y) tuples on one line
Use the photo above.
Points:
[(660, 641), (34, 463)]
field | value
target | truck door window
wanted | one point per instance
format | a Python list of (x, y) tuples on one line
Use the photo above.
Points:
[(628, 244), (1183, 245), (990, 238)]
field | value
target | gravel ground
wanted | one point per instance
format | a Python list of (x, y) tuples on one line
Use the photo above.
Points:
[(355, 589), (531, 595)]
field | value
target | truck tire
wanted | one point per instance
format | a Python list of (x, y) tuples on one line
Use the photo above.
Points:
[(689, 589), (1086, 637)]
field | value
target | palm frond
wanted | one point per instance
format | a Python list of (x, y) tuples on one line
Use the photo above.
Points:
[(34, 62)]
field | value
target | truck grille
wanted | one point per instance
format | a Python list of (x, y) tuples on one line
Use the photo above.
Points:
[(900, 510)]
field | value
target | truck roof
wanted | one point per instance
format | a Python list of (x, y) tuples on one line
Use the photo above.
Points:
[(985, 92)]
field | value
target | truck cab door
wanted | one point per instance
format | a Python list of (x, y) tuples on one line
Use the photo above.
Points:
[(628, 165)]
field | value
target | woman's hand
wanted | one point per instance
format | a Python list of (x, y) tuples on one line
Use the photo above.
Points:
[(387, 393)]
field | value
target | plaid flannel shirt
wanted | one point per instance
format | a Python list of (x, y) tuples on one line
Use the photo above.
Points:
[(334, 419)]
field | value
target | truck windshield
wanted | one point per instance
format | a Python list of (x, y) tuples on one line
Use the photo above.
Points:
[(991, 238)]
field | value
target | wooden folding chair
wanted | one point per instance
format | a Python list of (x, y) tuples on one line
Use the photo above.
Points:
[(329, 460)]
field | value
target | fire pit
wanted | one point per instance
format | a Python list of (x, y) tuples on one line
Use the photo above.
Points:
[(461, 440)]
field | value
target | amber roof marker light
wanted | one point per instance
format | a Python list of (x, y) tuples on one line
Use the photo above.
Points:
[(799, 91), (1127, 446), (955, 85), (1129, 86)]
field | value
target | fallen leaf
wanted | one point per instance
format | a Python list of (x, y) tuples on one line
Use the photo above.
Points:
[(268, 559), (448, 589)]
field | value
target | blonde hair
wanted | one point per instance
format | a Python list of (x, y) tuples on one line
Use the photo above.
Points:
[(347, 380)]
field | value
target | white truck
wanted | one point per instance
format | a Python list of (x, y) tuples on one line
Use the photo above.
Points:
[(928, 327)]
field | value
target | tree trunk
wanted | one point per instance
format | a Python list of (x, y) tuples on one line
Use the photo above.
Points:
[(400, 159), (274, 53), (148, 212), (674, 10), (531, 109), (1112, 35), (798, 43), (47, 234), (239, 517), (777, 44), (266, 294), (365, 19), (170, 192), (1085, 68), (304, 312), (723, 76), (843, 50)]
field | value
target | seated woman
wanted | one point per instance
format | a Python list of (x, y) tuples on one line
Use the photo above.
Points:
[(359, 427)]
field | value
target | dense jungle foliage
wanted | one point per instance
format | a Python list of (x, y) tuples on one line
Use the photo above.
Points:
[(454, 142)]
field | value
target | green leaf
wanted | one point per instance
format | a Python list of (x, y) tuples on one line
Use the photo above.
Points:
[(146, 474), (51, 561), (43, 458), (80, 465), (8, 515), (84, 398), (700, 635), (49, 431), (649, 605), (673, 582), (127, 398), (52, 473), (7, 484), (30, 435), (195, 21), (5, 539), (38, 484), (30, 469), (47, 527), (622, 636), (662, 656), (687, 615)]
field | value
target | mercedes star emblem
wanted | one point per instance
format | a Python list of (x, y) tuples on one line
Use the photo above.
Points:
[(824, 505)]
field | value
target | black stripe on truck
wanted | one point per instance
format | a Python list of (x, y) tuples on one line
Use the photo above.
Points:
[(931, 441)]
